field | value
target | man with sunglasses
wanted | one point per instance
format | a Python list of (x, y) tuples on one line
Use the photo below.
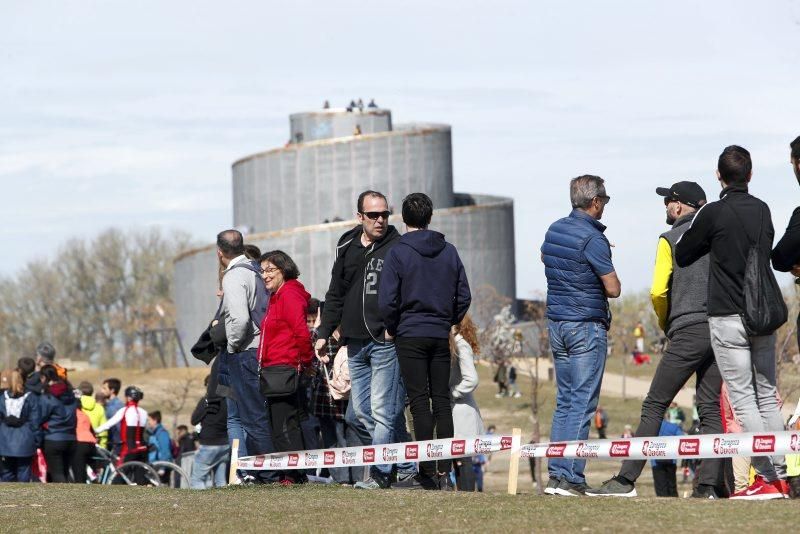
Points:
[(377, 393), (679, 300), (580, 280)]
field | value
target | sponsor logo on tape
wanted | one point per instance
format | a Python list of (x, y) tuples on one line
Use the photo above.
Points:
[(689, 447), (587, 450), (765, 443), (330, 457), (390, 454), (726, 446), (654, 448), (312, 459), (505, 443), (349, 457), (368, 455), (434, 450), (458, 446), (620, 449), (258, 461), (412, 452), (483, 445), (794, 442), (555, 450)]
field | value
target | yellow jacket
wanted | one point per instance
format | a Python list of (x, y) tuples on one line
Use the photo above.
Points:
[(97, 416), (659, 289)]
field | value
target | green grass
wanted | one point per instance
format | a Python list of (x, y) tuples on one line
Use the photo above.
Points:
[(40, 507)]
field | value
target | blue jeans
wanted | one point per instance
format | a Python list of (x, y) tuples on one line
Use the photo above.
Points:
[(15, 469), (251, 405), (210, 466), (579, 358), (378, 396)]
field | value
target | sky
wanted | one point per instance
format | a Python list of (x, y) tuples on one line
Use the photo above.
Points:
[(129, 114)]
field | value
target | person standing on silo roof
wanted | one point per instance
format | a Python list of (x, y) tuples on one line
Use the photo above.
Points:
[(580, 280)]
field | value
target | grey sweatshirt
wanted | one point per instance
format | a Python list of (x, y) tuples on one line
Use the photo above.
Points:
[(239, 288)]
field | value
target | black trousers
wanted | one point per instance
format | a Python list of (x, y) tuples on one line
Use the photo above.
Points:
[(81, 456), (287, 435), (425, 367), (665, 479), (58, 455), (689, 352)]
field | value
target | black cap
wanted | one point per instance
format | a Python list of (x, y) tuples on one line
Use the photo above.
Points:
[(689, 193)]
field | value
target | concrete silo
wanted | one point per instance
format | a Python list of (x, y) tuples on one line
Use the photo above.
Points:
[(283, 199)]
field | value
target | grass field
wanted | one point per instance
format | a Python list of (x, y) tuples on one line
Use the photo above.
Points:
[(38, 508)]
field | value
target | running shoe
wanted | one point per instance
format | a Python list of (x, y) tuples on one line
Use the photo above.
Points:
[(616, 486), (760, 490)]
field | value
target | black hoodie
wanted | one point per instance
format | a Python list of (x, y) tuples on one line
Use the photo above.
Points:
[(352, 298), (424, 289)]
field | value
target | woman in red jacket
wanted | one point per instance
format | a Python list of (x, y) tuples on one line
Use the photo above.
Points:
[(285, 341)]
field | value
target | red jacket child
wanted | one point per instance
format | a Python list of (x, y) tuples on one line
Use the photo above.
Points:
[(285, 339)]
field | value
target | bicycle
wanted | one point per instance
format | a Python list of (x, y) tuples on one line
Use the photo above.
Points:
[(125, 473)]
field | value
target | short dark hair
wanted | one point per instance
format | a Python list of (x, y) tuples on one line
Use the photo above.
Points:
[(734, 165), (46, 351), (156, 415), (26, 366), (417, 210), (231, 243), (282, 261), (114, 384), (313, 306), (252, 252), (369, 193), (86, 388), (50, 373), (795, 146), (182, 427)]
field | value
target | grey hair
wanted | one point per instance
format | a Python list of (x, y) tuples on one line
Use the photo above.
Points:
[(583, 189)]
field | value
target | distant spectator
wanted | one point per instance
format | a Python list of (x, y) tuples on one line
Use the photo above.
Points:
[(58, 414), (19, 430), (94, 411), (211, 461), (501, 379), (664, 471), (134, 445), (513, 390), (159, 442), (185, 439), (111, 388), (33, 381), (601, 422)]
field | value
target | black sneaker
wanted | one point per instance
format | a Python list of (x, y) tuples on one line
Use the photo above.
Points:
[(376, 481), (552, 484), (416, 482), (702, 491), (614, 487), (566, 488)]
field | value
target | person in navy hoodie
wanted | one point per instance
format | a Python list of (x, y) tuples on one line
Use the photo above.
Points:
[(58, 405), (423, 293), (19, 430)]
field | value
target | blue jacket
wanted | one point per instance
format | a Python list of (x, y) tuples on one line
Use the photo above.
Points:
[(20, 440), (668, 429), (112, 407), (424, 288), (160, 445), (59, 415), (574, 291)]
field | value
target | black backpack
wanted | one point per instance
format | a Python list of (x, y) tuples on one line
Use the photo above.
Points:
[(764, 308)]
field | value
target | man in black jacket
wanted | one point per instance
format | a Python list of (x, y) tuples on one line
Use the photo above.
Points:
[(726, 230), (377, 393), (211, 459), (786, 254)]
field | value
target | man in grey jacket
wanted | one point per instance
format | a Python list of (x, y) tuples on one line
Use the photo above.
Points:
[(240, 303)]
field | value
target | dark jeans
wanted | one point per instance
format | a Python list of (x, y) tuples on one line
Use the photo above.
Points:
[(425, 367), (285, 414), (81, 457), (58, 455), (664, 479), (15, 469), (252, 407), (689, 352), (465, 476)]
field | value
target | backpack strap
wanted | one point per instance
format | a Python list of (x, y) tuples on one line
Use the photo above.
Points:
[(760, 224)]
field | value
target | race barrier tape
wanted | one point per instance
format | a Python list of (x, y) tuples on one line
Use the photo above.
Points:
[(664, 448)]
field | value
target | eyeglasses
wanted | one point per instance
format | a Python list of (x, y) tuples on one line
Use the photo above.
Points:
[(373, 215), (668, 201), (270, 270), (604, 198)]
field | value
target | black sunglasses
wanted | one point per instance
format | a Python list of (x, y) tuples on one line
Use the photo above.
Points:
[(373, 215)]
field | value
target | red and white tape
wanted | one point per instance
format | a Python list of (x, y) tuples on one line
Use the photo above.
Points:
[(672, 447), (417, 451), (663, 448)]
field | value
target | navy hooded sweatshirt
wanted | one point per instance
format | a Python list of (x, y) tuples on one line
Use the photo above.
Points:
[(423, 289)]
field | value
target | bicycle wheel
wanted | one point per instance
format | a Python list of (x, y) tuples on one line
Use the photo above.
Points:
[(134, 474), (172, 474)]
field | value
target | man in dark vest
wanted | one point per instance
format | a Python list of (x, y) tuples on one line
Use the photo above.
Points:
[(679, 300), (580, 280)]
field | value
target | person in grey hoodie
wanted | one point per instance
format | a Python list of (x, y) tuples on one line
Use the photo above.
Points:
[(423, 293)]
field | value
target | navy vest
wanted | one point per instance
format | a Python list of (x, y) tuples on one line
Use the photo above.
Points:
[(574, 292)]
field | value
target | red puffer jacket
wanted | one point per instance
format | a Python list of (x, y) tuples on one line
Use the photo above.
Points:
[(285, 339)]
